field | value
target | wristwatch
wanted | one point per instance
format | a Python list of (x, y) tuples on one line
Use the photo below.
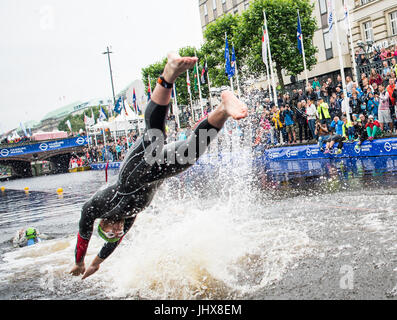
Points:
[(164, 83)]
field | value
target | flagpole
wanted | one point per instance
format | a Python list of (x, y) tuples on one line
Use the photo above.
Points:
[(150, 85), (303, 51), (176, 109), (190, 93), (126, 123), (198, 80), (271, 62), (267, 67), (341, 65), (86, 130), (104, 139), (351, 43), (209, 84)]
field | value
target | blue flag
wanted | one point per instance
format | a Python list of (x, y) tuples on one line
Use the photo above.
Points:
[(119, 105), (228, 67), (233, 64), (102, 115), (299, 35)]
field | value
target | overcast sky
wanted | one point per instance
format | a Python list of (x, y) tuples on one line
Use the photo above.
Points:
[(50, 51)]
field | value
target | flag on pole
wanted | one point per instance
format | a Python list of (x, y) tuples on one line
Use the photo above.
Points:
[(135, 104), (195, 78), (264, 47), (149, 89), (204, 72), (102, 115), (188, 82), (227, 59), (299, 35), (233, 63), (89, 121), (92, 117), (119, 105), (86, 119), (23, 129), (346, 18), (330, 6), (69, 125), (125, 109)]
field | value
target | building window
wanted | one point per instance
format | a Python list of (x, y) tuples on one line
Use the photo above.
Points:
[(246, 4), (205, 13), (362, 2), (224, 6), (328, 46), (368, 32), (323, 13), (214, 8), (323, 6), (393, 23)]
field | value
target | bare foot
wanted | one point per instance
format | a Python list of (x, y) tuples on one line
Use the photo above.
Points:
[(233, 106), (177, 65)]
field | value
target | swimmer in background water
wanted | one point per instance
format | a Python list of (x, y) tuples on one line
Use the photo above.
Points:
[(27, 237), (117, 205)]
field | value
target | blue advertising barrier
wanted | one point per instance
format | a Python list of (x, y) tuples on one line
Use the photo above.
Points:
[(43, 147), (102, 165), (281, 170), (376, 148)]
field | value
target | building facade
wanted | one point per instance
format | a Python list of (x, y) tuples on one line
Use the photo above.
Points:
[(375, 22), (371, 20), (210, 10)]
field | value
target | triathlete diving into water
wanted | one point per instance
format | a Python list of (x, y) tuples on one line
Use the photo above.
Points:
[(118, 204)]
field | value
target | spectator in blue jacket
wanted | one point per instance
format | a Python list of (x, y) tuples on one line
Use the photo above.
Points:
[(372, 105), (289, 123), (337, 125)]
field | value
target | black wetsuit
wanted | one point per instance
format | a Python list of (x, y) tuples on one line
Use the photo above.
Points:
[(139, 179)]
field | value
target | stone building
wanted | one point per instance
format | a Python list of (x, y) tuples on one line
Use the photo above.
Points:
[(374, 23)]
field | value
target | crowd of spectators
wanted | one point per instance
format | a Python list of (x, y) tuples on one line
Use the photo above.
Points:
[(15, 140), (321, 113)]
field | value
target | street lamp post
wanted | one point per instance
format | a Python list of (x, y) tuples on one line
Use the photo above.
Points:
[(111, 75)]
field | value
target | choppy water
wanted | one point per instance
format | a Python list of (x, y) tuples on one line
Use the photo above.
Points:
[(231, 233)]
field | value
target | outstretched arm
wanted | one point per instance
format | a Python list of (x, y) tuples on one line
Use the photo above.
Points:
[(86, 225)]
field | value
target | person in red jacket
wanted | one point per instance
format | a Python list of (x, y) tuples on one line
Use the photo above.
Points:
[(375, 77), (372, 127)]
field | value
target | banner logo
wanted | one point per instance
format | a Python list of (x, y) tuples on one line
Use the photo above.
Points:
[(80, 140), (43, 147), (4, 152), (387, 146)]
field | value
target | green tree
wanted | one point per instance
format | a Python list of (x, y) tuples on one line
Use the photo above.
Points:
[(282, 27), (154, 71), (77, 121), (214, 47)]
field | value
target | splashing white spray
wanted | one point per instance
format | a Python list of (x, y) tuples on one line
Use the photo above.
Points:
[(221, 247)]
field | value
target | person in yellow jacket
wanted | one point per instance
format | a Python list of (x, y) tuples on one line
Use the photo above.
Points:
[(323, 111), (278, 125), (348, 129), (276, 120)]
